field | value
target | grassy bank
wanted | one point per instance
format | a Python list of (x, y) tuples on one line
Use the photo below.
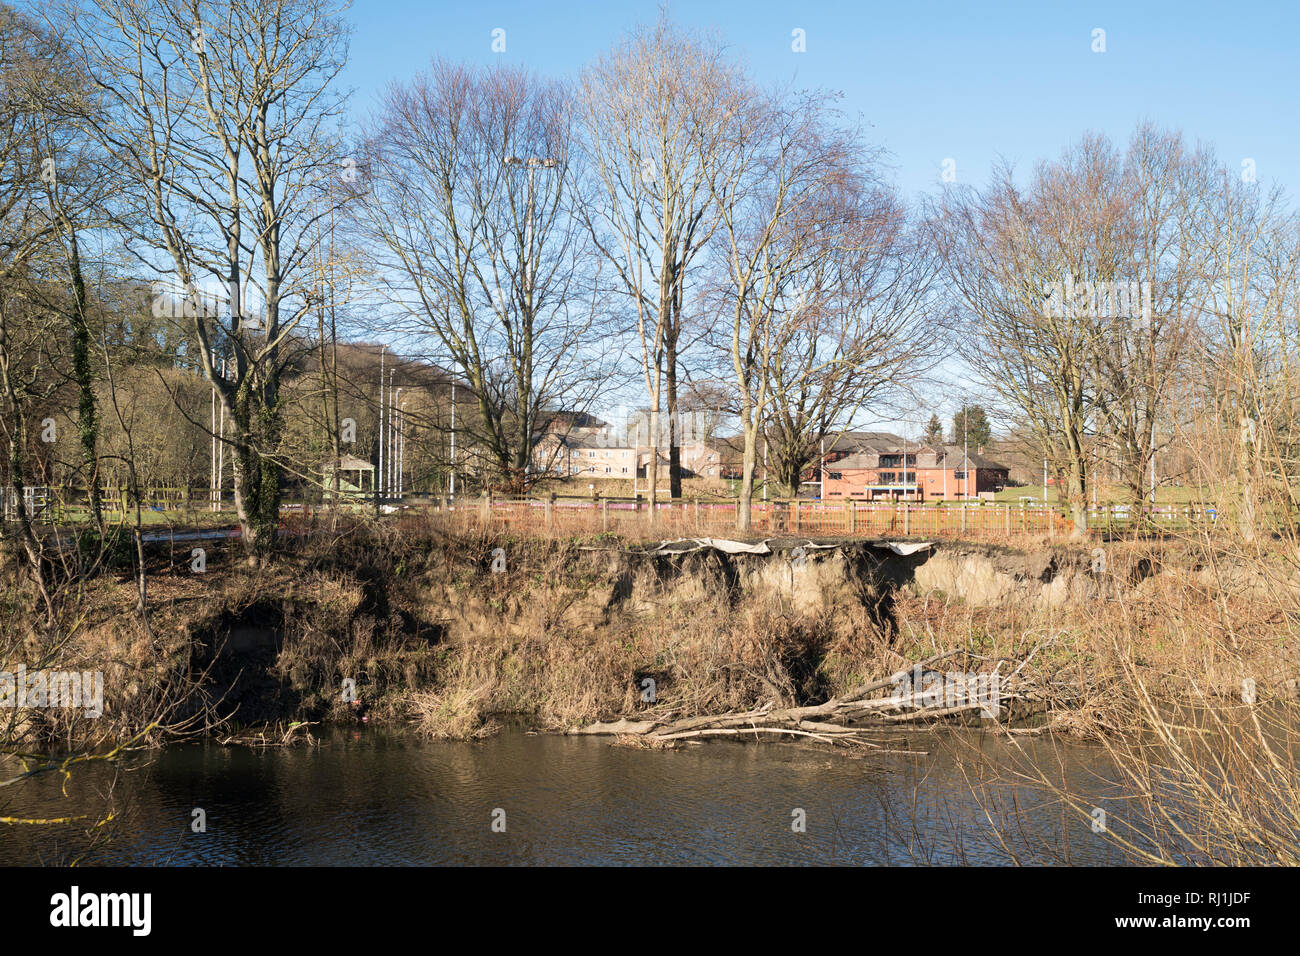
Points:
[(572, 629)]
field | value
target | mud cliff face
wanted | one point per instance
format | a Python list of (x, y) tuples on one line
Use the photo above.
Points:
[(808, 580), (984, 577), (815, 579)]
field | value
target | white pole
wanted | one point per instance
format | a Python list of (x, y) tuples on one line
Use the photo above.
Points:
[(821, 490), (212, 464), (392, 435), (401, 446), (221, 443), (380, 475), (388, 478), (453, 439)]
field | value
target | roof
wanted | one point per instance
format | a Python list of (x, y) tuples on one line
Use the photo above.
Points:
[(349, 463), (973, 459), (552, 417), (866, 441), (952, 454)]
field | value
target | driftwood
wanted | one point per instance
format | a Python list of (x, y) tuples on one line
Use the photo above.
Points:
[(838, 721)]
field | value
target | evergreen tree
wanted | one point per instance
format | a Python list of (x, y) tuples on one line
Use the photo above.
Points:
[(933, 431), (971, 425)]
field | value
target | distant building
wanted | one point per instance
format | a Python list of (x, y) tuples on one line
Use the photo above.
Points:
[(898, 470), (600, 452), (356, 476)]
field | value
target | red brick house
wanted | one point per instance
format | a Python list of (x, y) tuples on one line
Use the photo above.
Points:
[(914, 473)]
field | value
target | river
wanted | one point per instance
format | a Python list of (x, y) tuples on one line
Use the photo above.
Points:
[(367, 796)]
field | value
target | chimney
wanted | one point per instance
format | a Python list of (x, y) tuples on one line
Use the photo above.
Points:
[(980, 450)]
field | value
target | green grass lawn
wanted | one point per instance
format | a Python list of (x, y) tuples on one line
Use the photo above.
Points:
[(177, 519), (1109, 495)]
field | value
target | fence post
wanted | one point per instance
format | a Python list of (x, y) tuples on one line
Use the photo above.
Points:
[(906, 512), (963, 514), (696, 506), (604, 514), (1008, 516), (853, 514), (550, 511), (485, 509), (794, 515)]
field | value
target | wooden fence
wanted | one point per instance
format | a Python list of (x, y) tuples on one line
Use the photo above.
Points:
[(693, 518)]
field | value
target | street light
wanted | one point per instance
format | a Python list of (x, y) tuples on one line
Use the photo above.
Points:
[(394, 467), (401, 445)]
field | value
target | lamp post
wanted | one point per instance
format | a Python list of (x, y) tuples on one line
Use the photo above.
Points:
[(394, 437), (453, 440), (401, 444), (379, 474)]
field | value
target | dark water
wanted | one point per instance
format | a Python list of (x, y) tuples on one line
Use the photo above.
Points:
[(365, 798)]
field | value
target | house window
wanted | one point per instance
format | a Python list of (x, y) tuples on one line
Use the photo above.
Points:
[(836, 476), (896, 461)]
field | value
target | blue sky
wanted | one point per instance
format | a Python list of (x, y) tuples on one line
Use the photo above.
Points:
[(935, 80)]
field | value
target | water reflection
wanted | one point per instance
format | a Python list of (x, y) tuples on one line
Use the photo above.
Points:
[(377, 798)]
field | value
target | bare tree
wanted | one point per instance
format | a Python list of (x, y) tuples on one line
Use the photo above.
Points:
[(468, 217), (1250, 281), (779, 192), (220, 119), (1142, 340), (857, 332), (1023, 264), (29, 362), (652, 114)]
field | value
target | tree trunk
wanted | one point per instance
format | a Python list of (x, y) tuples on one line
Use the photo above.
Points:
[(87, 420), (674, 436), (1246, 520), (31, 547), (744, 508)]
